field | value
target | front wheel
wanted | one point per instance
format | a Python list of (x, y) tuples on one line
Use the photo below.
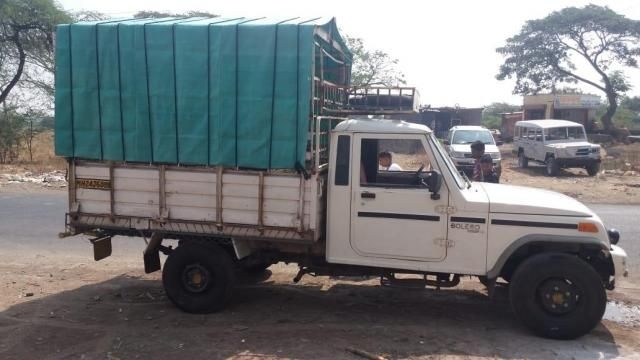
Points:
[(198, 278), (593, 168), (557, 295), (552, 166), (523, 161)]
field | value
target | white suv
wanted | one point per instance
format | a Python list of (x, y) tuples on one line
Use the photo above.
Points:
[(557, 144), (459, 142)]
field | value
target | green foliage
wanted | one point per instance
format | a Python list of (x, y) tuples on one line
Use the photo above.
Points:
[(26, 43), (158, 14), (491, 115), (627, 114), (12, 130), (18, 128), (545, 51), (491, 121), (632, 103), (373, 67)]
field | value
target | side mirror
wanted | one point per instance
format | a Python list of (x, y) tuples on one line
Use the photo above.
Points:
[(446, 142), (434, 183), (499, 142)]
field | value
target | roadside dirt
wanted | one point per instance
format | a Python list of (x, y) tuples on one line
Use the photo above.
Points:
[(53, 308)]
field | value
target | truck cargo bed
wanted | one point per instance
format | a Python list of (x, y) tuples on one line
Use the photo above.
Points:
[(123, 198)]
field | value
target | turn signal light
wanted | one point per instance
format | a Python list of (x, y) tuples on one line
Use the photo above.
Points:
[(587, 227)]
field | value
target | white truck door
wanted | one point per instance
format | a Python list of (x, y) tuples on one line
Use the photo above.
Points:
[(392, 215)]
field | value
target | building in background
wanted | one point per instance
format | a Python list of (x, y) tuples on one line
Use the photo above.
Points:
[(441, 119), (580, 108), (508, 124)]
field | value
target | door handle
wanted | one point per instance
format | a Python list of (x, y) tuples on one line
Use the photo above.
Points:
[(368, 195)]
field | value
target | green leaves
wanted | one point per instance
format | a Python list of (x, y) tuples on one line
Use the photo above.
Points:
[(26, 41), (373, 67), (547, 51)]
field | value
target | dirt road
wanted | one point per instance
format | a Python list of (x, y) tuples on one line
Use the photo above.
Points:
[(55, 308)]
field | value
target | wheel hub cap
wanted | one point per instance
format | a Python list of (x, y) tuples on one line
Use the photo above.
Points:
[(195, 278), (558, 296)]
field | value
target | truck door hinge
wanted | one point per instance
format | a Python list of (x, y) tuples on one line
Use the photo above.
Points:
[(444, 209), (445, 243)]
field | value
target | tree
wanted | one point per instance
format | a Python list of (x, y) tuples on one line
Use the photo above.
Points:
[(491, 115), (26, 38), (628, 113), (373, 67), (12, 126), (632, 103), (545, 51)]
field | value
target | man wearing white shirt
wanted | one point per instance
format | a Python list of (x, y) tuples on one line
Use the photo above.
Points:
[(386, 163)]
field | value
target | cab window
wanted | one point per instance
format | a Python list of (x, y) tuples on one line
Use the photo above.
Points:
[(392, 162)]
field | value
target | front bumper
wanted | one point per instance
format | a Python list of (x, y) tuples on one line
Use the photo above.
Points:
[(577, 162), (619, 259)]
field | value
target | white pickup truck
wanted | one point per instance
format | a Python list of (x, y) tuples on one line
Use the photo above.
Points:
[(347, 217)]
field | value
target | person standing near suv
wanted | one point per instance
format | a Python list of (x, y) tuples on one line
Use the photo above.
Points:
[(487, 170), (477, 151)]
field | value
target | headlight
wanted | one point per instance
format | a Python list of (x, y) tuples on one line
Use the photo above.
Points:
[(614, 236), (595, 149), (456, 154)]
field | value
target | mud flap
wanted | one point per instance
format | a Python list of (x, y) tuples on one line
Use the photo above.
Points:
[(151, 254), (101, 247), (151, 261)]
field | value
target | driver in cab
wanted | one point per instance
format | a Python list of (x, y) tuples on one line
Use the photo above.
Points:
[(385, 162)]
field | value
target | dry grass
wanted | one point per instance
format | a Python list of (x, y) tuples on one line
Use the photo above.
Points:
[(44, 158), (618, 156)]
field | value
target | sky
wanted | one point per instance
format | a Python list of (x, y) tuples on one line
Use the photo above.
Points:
[(446, 49)]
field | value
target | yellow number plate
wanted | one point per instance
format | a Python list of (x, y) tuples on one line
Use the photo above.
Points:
[(96, 184)]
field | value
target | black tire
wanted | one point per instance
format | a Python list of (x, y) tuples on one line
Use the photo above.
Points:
[(593, 169), (557, 296), (198, 278), (552, 166), (523, 161)]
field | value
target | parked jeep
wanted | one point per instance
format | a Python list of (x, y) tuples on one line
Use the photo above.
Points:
[(557, 144), (459, 141)]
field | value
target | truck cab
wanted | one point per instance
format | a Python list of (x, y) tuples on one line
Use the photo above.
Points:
[(555, 253)]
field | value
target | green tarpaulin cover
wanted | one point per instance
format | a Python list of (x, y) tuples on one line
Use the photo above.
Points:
[(204, 91)]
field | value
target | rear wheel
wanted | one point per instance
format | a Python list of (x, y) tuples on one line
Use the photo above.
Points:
[(552, 166), (593, 169), (557, 295), (198, 278), (523, 162)]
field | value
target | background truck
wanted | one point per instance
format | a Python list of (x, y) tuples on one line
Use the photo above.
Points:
[(231, 139)]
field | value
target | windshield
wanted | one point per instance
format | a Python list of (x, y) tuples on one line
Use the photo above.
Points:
[(564, 133), (469, 136), (447, 159)]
